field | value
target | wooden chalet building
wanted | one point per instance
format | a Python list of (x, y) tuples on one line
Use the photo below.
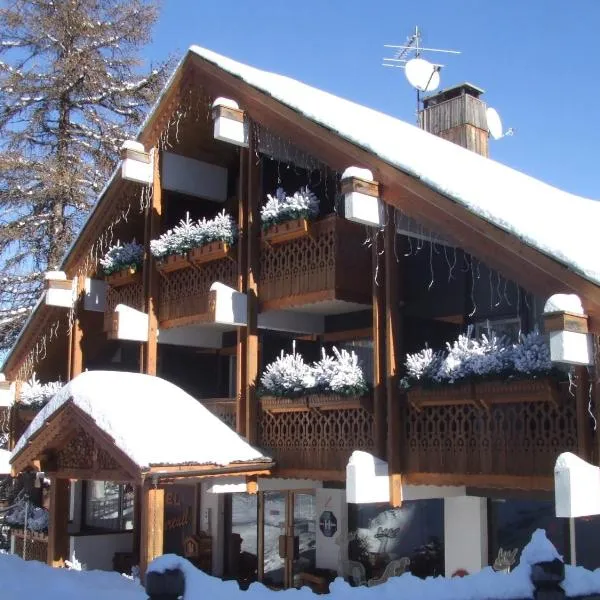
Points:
[(461, 243)]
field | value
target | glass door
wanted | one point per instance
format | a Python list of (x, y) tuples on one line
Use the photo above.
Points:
[(274, 526), (305, 531)]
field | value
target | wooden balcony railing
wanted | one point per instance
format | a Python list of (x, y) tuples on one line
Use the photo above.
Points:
[(36, 547), (224, 408), (329, 263), (130, 294), (318, 433), (515, 429)]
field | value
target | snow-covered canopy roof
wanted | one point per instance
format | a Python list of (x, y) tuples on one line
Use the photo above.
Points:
[(151, 420), (533, 211)]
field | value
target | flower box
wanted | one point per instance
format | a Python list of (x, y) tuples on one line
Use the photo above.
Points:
[(124, 277), (173, 262), (326, 402), (209, 252), (287, 231), (516, 391), (460, 393), (276, 404)]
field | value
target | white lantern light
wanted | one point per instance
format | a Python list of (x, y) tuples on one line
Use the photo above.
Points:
[(60, 291), (229, 123), (567, 326), (136, 163), (361, 197)]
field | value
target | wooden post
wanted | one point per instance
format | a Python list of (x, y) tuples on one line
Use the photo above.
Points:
[(393, 334), (58, 536), (152, 525), (149, 350), (253, 258), (76, 333), (582, 401), (378, 293), (242, 282)]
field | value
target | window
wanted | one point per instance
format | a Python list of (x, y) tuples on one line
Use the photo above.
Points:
[(108, 506), (507, 328)]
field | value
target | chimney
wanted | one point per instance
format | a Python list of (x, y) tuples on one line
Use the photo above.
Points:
[(457, 115)]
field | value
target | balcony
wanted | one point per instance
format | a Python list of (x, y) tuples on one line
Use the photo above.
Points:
[(495, 428), (325, 270)]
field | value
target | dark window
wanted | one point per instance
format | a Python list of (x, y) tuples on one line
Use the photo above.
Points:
[(587, 534), (108, 506)]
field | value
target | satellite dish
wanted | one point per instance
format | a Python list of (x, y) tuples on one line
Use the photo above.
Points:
[(422, 75), (494, 123)]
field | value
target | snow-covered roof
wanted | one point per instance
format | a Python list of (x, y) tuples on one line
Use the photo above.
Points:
[(4, 462), (151, 420), (533, 211)]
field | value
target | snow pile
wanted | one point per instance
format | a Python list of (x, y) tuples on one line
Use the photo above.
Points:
[(119, 257), (470, 358), (191, 234), (526, 207), (32, 579), (570, 303), (36, 394), (357, 172), (281, 207), (288, 376), (137, 410)]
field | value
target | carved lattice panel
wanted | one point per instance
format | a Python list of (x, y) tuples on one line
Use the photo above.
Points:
[(82, 452), (184, 293), (512, 439), (224, 409), (316, 439), (37, 545), (301, 266), (131, 295)]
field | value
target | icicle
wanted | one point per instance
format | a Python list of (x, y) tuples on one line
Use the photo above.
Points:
[(473, 290), (431, 265)]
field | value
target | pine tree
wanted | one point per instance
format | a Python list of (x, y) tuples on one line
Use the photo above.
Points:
[(71, 91)]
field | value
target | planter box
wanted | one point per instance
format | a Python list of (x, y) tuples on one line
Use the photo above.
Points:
[(516, 391), (333, 402), (124, 277), (275, 404), (210, 252), (174, 262), (284, 232), (420, 397)]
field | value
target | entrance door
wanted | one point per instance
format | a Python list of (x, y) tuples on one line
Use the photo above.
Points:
[(288, 537)]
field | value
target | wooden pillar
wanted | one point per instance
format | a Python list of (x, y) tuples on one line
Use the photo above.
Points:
[(242, 282), (253, 258), (582, 401), (149, 350), (378, 294), (152, 524), (393, 357), (137, 523), (76, 333), (58, 537)]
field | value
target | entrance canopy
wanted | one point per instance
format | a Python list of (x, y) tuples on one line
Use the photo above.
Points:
[(119, 426)]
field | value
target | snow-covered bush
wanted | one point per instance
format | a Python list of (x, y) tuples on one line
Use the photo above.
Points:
[(478, 358), (119, 257), (281, 207), (189, 234), (36, 394), (37, 517), (290, 376)]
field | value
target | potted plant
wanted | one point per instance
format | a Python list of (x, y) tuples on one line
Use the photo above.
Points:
[(286, 218), (122, 263)]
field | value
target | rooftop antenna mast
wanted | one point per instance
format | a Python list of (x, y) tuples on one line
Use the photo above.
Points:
[(423, 75)]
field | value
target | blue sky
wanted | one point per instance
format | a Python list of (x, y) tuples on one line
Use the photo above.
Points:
[(536, 59)]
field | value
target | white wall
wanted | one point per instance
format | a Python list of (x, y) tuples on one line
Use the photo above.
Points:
[(465, 534), (328, 551), (96, 551)]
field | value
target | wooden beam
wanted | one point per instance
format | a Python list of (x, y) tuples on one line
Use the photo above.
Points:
[(152, 530), (242, 282), (149, 349), (393, 356), (582, 402), (378, 293), (511, 482), (76, 333), (253, 264), (58, 536)]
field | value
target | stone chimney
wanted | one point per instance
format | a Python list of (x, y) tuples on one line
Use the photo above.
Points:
[(457, 115)]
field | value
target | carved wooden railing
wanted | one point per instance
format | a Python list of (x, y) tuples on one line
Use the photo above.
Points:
[(329, 262), (315, 432), (224, 408), (131, 294), (499, 428), (184, 294), (36, 547)]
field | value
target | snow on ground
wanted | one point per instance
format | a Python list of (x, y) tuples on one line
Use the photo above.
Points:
[(22, 580)]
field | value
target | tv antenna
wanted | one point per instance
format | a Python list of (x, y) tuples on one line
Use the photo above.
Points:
[(422, 74)]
